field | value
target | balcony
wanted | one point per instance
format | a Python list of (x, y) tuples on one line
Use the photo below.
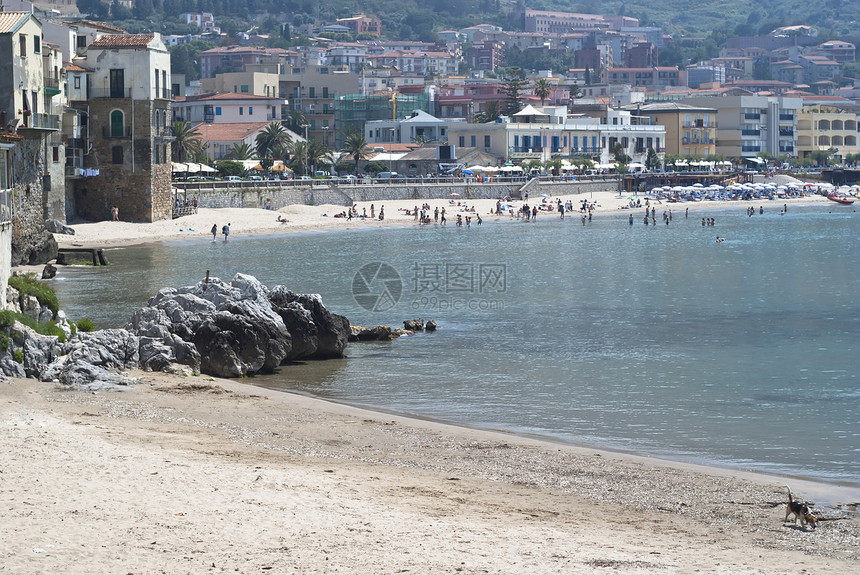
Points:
[(75, 144), (123, 132), (750, 132), (110, 93), (52, 85), (163, 131), (752, 116), (163, 94), (786, 132), (751, 148), (41, 122), (786, 117)]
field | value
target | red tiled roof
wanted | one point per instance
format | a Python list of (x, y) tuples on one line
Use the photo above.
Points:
[(229, 132), (123, 41), (9, 21), (75, 68)]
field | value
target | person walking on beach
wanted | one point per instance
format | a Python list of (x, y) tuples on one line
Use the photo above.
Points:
[(442, 220), (226, 231), (114, 212), (214, 231)]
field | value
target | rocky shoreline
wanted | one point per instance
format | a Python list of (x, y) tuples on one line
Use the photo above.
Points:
[(234, 329)]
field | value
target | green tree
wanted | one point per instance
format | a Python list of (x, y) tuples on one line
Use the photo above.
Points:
[(491, 112), (574, 92), (269, 138), (230, 168), (355, 146), (621, 157), (240, 152), (652, 160), (187, 142), (543, 88), (295, 121), (513, 85)]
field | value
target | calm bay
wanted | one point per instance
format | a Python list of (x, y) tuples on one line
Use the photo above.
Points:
[(655, 340)]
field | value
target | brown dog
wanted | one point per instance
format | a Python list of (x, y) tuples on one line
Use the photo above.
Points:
[(801, 512)]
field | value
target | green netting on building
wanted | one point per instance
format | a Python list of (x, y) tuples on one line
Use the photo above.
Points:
[(353, 110)]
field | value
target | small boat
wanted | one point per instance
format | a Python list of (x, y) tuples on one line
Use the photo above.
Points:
[(840, 199)]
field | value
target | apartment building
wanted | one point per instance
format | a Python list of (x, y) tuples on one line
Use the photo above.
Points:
[(827, 128), (690, 130), (749, 124)]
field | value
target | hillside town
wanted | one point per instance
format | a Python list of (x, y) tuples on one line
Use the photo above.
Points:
[(94, 117)]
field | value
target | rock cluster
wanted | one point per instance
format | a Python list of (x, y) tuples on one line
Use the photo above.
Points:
[(386, 333), (222, 329)]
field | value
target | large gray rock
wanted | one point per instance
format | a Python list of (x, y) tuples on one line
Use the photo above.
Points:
[(40, 249), (227, 330), (58, 227), (325, 334)]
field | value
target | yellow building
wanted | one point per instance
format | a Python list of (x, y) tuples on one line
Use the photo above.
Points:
[(826, 128), (690, 130)]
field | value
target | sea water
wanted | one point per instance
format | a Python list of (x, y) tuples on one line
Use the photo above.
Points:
[(655, 340)]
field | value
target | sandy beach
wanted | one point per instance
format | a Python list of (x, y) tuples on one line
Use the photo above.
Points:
[(197, 475), (203, 475), (303, 218)]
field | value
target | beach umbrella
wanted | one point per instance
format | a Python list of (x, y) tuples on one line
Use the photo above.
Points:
[(455, 195), (468, 172), (544, 196)]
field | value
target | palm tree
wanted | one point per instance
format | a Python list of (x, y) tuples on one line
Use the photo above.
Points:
[(355, 145), (543, 89), (317, 153), (187, 142), (491, 112), (295, 121), (269, 138), (240, 152)]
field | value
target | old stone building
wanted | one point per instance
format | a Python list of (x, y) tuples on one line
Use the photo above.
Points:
[(32, 156), (127, 118)]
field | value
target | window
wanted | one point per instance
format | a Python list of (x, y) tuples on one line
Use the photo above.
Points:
[(116, 155), (37, 45), (241, 110), (56, 156), (217, 110), (117, 83), (325, 92), (472, 141), (81, 42), (77, 82), (312, 92), (250, 110), (244, 88), (462, 141), (22, 42), (486, 141), (117, 124)]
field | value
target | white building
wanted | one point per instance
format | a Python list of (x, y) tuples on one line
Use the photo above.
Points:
[(550, 133), (228, 108)]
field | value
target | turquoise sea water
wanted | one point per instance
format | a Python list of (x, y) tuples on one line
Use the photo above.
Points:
[(654, 340)]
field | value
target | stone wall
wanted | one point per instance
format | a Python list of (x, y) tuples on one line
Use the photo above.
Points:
[(28, 160), (138, 186), (222, 195)]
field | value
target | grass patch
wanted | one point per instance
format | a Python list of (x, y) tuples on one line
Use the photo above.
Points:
[(86, 324), (27, 284), (8, 318)]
